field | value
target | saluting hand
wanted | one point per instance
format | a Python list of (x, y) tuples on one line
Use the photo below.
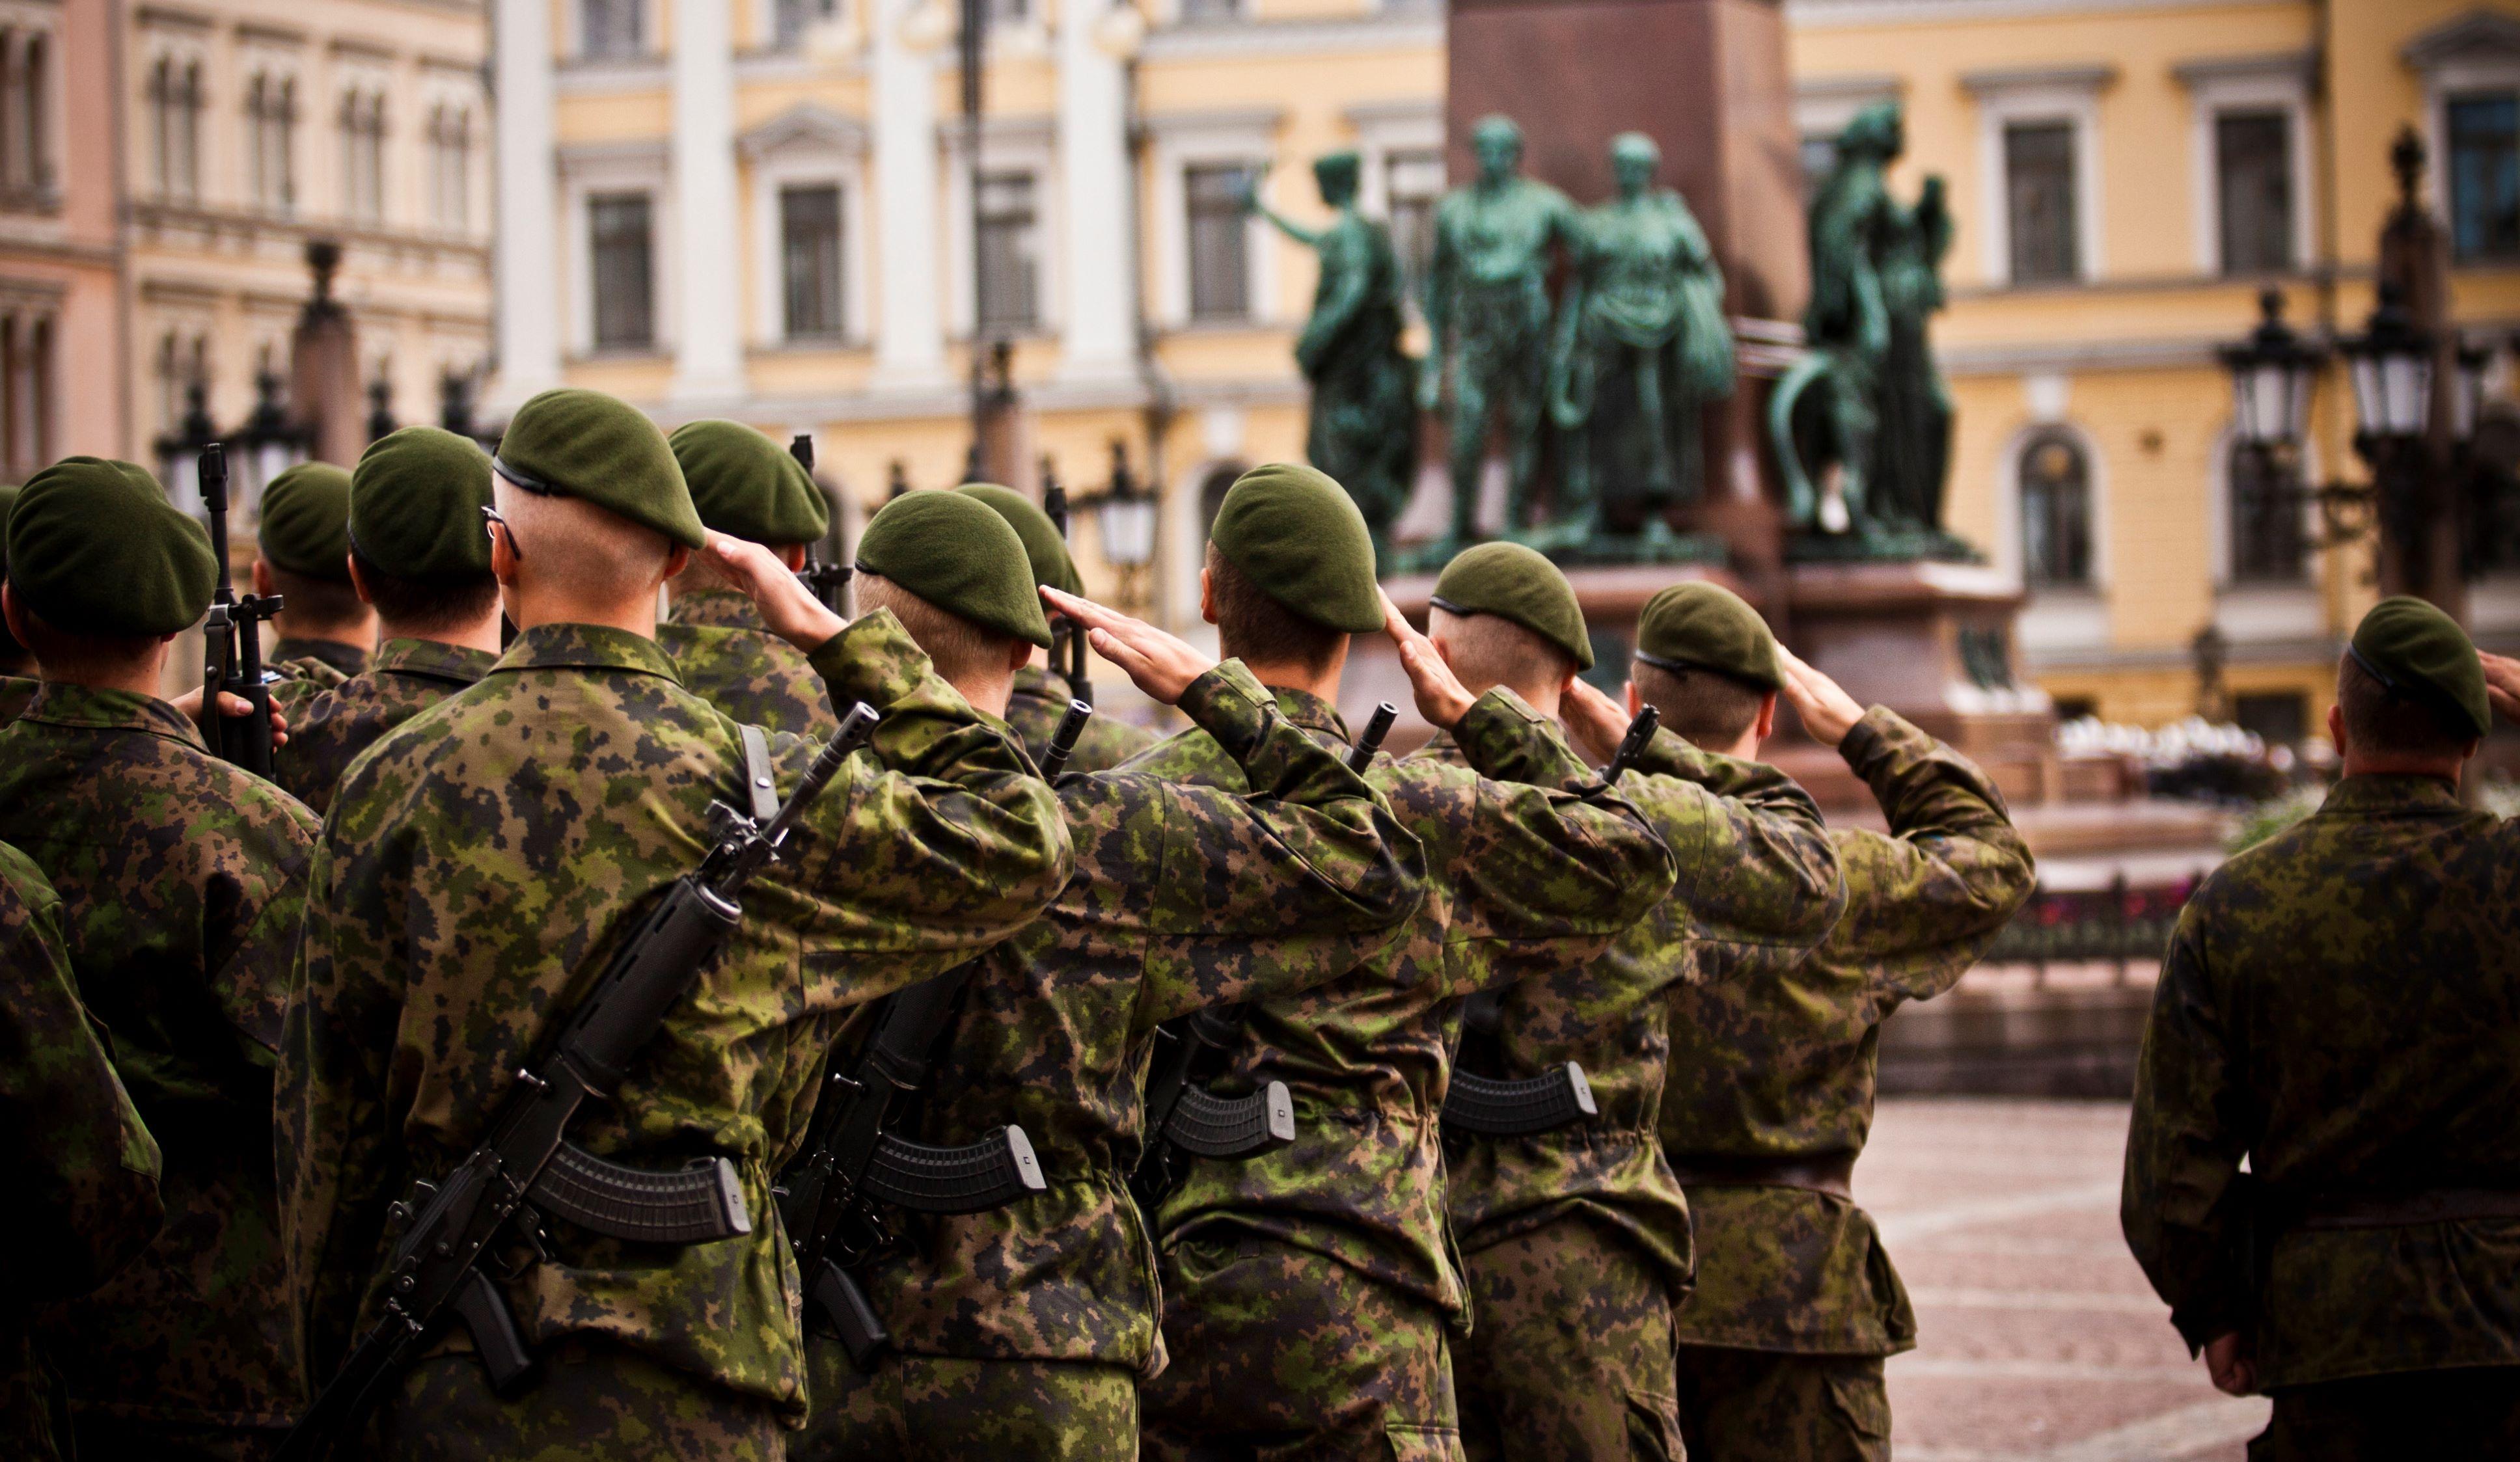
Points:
[(1828, 712), (2502, 684), (230, 706), (1441, 696), (1598, 722), (787, 605), (1162, 665)]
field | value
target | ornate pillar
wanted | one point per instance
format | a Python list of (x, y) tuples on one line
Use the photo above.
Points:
[(708, 335), (527, 254), (910, 321)]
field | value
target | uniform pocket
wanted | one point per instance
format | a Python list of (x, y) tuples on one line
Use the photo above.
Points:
[(1861, 1405), (1653, 1428), (1412, 1442)]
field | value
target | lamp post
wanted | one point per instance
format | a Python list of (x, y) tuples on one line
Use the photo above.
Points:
[(1125, 512)]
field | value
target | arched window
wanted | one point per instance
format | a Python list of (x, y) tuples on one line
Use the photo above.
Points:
[(2055, 512), (2267, 545)]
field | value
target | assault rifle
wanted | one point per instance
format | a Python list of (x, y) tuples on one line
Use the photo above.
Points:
[(1183, 1114), (527, 1169), (1490, 1107), (232, 641), (833, 1200), (829, 581), (1066, 636)]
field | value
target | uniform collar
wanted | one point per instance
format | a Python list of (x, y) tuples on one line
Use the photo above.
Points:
[(60, 704), (587, 646), (433, 660), (718, 609), (1040, 685), (1310, 711), (2392, 795)]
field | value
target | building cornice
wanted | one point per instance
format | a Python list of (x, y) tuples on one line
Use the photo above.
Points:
[(2299, 66), (2477, 35), (1243, 39), (807, 125), (624, 153), (2077, 78), (1241, 121), (1818, 14)]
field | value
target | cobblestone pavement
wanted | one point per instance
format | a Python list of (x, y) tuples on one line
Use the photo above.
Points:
[(2040, 1341)]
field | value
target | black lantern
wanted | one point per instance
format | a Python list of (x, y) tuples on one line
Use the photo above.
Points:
[(2273, 373), (2391, 363), (179, 454), (1125, 512), (2467, 389)]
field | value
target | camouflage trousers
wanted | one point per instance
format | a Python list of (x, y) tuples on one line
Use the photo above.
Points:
[(1571, 1349), (592, 1403), (1772, 1407), (1282, 1355), (917, 1407), (101, 1436), (2470, 1412), (34, 1410)]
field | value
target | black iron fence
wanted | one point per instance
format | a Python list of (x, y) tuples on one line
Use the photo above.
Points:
[(2116, 924)]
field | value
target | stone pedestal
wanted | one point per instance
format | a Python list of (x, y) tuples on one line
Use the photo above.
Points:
[(1934, 642)]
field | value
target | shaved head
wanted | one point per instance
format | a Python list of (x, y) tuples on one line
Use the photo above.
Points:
[(1487, 650), (580, 550)]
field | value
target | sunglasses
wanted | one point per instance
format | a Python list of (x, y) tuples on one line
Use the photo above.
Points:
[(490, 515)]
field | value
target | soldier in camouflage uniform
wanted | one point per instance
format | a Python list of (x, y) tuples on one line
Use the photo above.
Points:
[(1024, 1329), (485, 859), (2340, 1008), (1309, 1291), (747, 486), (83, 1168), (1040, 693), (418, 556), (1582, 1231), (305, 541), (17, 663), (1769, 1092), (181, 881)]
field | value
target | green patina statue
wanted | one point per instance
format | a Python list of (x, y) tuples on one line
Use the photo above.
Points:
[(1867, 397), (1363, 428), (1488, 313), (1641, 345)]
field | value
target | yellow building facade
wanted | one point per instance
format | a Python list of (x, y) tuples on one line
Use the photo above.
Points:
[(765, 209)]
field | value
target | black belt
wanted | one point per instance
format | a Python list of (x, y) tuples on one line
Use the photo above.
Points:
[(2336, 1210), (1833, 1175)]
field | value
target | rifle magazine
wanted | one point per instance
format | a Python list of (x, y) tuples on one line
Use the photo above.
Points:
[(991, 1173), (1232, 1127)]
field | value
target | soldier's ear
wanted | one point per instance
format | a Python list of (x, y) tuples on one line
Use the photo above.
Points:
[(1206, 597), (1767, 726), (2336, 728), (1635, 701)]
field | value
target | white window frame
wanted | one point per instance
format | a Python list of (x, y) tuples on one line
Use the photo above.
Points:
[(460, 91), (366, 76), (2261, 611), (655, 46), (1381, 130), (2069, 94), (1824, 104), (1244, 137), (805, 146), (617, 168), (765, 24), (24, 20), (257, 57), (2055, 619), (1029, 144), (2262, 83), (2477, 52), (182, 45)]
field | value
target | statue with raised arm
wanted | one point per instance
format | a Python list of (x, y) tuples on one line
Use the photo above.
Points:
[(1643, 344), (1363, 428), (1867, 397), (1487, 311)]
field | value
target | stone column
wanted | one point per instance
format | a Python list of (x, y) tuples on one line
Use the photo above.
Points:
[(1098, 315), (910, 321), (708, 336), (526, 242)]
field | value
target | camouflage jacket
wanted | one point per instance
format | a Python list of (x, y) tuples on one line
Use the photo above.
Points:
[(482, 863), (329, 726), (1758, 888), (1034, 711), (2340, 1004), (17, 692), (1779, 1063), (1522, 877), (1182, 897), (85, 1169), (344, 660), (729, 658), (181, 881)]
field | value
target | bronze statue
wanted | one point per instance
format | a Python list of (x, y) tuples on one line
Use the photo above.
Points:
[(1487, 310), (1643, 344), (1363, 428), (1867, 396)]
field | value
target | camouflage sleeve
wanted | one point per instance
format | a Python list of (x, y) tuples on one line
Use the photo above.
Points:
[(1275, 891), (1935, 893), (84, 1168), (943, 842), (1757, 865), (253, 943), (2180, 1201), (1539, 876)]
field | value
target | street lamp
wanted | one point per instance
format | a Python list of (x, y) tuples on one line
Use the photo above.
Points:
[(2272, 374), (2391, 365), (270, 443), (1126, 513)]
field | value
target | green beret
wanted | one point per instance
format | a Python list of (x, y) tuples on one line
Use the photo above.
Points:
[(1048, 552), (8, 500), (1700, 626), (415, 505), (746, 484), (307, 522), (582, 444), (1296, 535), (1515, 582), (957, 555), (95, 548), (2419, 652)]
